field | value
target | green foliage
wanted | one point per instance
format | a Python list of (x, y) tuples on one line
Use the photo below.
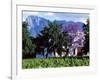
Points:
[(86, 31), (55, 62), (53, 32), (28, 47)]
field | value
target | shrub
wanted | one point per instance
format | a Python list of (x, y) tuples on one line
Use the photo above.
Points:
[(55, 62)]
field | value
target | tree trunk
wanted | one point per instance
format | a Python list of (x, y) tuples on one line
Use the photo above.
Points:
[(76, 51)]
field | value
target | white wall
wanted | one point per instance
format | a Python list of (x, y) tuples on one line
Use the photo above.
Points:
[(5, 33)]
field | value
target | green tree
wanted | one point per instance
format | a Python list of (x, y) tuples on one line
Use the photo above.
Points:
[(27, 46), (86, 31), (54, 38)]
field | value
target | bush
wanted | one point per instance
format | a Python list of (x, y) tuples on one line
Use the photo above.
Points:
[(55, 62)]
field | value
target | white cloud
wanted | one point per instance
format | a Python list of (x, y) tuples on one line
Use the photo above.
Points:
[(34, 13), (50, 14), (84, 21)]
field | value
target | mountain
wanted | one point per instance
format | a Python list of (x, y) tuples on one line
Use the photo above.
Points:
[(71, 26), (37, 24)]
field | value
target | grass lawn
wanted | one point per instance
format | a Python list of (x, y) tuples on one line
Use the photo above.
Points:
[(55, 62)]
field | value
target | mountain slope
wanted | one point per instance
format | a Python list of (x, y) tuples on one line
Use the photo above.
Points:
[(37, 24)]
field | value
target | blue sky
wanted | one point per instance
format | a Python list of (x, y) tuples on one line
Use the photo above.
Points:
[(76, 17)]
